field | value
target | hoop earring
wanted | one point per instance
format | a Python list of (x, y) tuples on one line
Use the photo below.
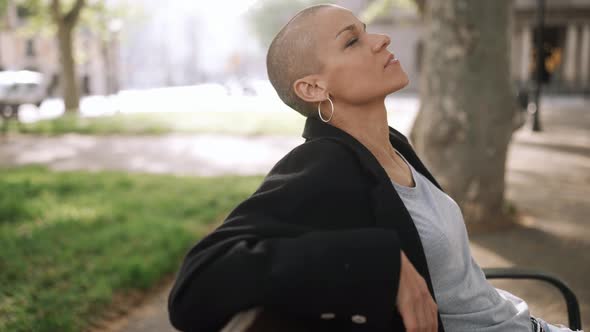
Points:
[(320, 112)]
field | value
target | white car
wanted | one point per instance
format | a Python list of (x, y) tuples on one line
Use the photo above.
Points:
[(18, 88)]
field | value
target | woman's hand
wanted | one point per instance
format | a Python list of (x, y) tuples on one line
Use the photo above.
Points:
[(414, 302)]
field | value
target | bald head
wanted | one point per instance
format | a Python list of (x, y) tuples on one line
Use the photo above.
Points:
[(292, 55)]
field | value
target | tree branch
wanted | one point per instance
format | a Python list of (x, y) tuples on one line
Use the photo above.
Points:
[(71, 17), (421, 6), (56, 10)]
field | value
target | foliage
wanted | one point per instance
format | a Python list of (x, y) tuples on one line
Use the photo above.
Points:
[(3, 6), (96, 17), (37, 15), (267, 17), (381, 7), (71, 240)]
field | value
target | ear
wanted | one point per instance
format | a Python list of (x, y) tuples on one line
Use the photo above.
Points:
[(311, 89)]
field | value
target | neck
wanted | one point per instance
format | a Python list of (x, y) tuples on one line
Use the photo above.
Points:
[(367, 123)]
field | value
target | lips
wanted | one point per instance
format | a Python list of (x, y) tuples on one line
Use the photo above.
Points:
[(389, 59)]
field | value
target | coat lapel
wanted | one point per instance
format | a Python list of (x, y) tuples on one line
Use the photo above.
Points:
[(388, 207), (315, 128)]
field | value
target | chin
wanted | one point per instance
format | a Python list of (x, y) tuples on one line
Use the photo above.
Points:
[(399, 84)]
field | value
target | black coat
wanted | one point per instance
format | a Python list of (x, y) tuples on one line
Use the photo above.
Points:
[(321, 235)]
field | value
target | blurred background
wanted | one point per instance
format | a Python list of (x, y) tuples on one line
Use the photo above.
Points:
[(131, 128), (189, 56)]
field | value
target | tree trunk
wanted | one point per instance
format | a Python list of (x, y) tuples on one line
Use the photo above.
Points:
[(69, 80), (464, 125)]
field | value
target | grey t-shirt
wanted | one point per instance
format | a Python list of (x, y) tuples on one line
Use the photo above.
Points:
[(465, 299)]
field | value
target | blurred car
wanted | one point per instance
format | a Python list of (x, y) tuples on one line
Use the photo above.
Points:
[(19, 88)]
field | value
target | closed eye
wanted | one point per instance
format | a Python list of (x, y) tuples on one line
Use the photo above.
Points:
[(352, 41)]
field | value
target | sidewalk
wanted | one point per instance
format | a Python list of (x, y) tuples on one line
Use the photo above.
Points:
[(199, 155), (548, 179)]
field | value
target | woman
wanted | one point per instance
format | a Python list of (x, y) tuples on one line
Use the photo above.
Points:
[(349, 231)]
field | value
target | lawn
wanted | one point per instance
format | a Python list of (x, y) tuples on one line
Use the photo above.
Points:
[(71, 240), (238, 123)]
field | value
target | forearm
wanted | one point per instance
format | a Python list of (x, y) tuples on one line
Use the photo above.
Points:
[(341, 272)]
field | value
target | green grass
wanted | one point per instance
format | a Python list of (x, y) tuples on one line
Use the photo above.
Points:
[(239, 123), (70, 240)]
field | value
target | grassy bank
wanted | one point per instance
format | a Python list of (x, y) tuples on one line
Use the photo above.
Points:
[(238, 123), (70, 240)]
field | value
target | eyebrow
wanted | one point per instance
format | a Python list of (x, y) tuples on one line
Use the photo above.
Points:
[(350, 28)]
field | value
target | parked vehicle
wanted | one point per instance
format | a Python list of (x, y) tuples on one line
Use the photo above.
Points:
[(18, 88)]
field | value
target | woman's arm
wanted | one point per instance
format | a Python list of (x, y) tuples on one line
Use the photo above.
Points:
[(262, 257)]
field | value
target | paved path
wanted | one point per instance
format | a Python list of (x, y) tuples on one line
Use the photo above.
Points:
[(548, 179), (179, 154)]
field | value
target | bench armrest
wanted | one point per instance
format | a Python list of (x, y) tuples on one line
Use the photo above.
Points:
[(573, 308)]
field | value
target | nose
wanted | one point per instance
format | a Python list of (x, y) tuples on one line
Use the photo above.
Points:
[(382, 42)]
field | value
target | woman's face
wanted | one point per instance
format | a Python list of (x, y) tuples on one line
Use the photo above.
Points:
[(354, 61)]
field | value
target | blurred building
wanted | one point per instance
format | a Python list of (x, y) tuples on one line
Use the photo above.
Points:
[(97, 59), (566, 44)]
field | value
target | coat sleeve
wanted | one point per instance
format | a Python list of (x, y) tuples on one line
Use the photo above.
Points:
[(260, 257)]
